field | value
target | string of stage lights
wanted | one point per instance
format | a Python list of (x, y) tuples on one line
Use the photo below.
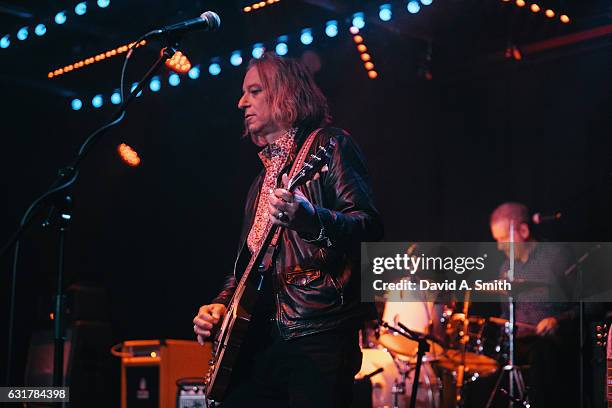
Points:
[(60, 18), (281, 47)]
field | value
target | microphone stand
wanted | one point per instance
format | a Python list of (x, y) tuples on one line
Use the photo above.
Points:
[(423, 348), (59, 197)]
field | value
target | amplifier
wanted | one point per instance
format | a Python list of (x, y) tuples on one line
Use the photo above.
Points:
[(150, 370)]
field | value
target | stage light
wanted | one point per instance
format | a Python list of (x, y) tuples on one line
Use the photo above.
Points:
[(428, 2), (134, 85), (60, 18), (40, 30), (331, 28), (306, 36), (413, 7), (116, 98), (179, 63), (258, 50), (80, 9), (22, 34), (281, 47), (128, 155), (76, 104), (194, 73), (5, 41), (174, 79), (368, 66), (354, 30), (520, 3), (214, 69), (155, 84), (103, 3), (550, 13), (358, 20), (535, 8), (358, 39), (97, 101), (564, 18), (385, 13), (372, 74), (236, 58), (362, 48)]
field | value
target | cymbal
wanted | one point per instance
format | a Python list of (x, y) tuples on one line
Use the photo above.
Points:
[(474, 363)]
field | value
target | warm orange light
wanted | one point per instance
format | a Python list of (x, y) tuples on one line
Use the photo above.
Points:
[(368, 65), (372, 74), (535, 8), (179, 63), (247, 9), (51, 316), (262, 4), (516, 54), (365, 57), (255, 6), (549, 13), (128, 155), (50, 75), (362, 48), (270, 1), (358, 39), (520, 3), (564, 18)]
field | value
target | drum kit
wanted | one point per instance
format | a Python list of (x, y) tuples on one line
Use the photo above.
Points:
[(462, 348)]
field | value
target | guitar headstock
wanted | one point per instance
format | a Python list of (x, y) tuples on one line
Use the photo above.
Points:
[(313, 165)]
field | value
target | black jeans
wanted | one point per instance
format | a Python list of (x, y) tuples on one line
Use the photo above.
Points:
[(311, 371)]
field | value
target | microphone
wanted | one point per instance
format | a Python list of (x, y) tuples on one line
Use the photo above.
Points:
[(539, 218), (208, 21)]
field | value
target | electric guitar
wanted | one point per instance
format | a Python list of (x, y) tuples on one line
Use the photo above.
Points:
[(235, 324)]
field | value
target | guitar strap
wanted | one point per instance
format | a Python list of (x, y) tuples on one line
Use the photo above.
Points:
[(299, 161)]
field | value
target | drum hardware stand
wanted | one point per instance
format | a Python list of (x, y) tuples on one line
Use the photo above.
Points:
[(514, 372), (423, 348)]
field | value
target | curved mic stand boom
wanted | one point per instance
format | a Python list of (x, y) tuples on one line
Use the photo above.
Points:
[(59, 198)]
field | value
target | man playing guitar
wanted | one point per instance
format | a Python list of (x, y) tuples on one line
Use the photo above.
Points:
[(301, 348)]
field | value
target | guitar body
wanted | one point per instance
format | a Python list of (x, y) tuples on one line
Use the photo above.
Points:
[(237, 319)]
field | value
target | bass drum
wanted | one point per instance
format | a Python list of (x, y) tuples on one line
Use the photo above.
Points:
[(428, 395)]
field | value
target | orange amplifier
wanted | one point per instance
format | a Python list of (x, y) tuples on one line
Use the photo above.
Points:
[(150, 369)]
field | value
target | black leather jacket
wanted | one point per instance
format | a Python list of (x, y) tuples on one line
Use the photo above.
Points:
[(316, 285)]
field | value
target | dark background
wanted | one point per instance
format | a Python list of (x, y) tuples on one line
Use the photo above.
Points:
[(442, 153)]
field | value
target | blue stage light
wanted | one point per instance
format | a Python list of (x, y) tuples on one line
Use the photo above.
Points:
[(358, 20), (103, 3), (413, 7), (306, 36), (236, 58), (22, 34), (80, 9), (60, 18), (76, 104), (155, 84), (194, 73), (258, 50), (116, 98), (97, 101), (5, 41), (214, 69), (426, 2), (40, 29), (281, 49), (134, 85), (331, 28), (174, 79), (385, 12)]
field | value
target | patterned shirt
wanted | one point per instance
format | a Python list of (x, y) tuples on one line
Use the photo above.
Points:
[(274, 157)]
